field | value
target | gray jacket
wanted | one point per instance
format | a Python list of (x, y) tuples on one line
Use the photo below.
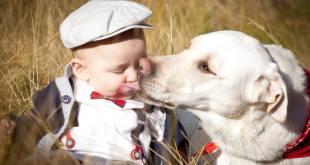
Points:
[(55, 111)]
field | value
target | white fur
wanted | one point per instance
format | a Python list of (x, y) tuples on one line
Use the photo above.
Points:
[(252, 101)]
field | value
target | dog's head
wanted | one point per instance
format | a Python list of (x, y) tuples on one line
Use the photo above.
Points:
[(223, 72)]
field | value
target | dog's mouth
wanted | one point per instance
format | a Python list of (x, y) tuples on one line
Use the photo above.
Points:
[(145, 95), (151, 100)]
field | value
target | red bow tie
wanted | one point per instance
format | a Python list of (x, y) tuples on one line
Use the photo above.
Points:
[(96, 95)]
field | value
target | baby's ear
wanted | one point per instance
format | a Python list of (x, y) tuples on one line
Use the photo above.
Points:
[(270, 89), (79, 69)]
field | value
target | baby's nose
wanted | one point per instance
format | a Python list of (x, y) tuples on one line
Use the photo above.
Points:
[(145, 66)]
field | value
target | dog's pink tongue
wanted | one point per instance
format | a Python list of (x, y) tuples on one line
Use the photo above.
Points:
[(126, 89)]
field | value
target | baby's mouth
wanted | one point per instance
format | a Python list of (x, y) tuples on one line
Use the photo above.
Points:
[(128, 89)]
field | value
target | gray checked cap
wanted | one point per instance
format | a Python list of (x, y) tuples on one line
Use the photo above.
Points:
[(101, 19)]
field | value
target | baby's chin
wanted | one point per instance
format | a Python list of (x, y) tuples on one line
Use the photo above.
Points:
[(125, 92), (122, 95), (125, 97)]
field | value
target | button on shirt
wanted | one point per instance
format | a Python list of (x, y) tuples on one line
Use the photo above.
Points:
[(105, 128)]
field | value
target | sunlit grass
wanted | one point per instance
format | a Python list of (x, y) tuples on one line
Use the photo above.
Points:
[(31, 53)]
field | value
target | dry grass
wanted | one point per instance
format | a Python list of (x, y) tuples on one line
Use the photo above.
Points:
[(31, 53)]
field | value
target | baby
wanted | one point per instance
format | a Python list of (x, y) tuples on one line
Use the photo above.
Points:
[(89, 112), (89, 115)]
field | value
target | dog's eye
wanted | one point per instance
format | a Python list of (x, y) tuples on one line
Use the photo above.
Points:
[(204, 67)]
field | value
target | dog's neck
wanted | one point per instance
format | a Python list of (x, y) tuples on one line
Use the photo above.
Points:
[(255, 135)]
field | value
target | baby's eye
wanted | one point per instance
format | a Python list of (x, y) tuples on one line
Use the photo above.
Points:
[(119, 71)]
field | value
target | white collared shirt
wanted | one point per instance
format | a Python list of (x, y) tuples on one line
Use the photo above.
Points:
[(105, 128)]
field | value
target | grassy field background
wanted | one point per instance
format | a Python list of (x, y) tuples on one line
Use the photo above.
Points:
[(31, 53)]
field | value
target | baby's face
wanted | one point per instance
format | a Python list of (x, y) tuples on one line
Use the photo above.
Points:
[(111, 67)]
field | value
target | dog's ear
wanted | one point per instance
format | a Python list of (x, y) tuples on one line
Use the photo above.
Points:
[(271, 90)]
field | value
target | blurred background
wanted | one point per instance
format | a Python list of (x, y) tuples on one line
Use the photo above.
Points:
[(31, 53)]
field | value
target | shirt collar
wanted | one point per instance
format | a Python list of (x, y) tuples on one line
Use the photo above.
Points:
[(83, 90)]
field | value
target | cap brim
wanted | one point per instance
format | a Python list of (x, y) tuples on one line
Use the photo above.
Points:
[(137, 26)]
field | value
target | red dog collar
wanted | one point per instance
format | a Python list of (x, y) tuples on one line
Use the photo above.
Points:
[(300, 147), (208, 148)]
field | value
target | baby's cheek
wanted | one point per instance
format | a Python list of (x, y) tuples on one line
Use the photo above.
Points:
[(108, 84), (112, 87)]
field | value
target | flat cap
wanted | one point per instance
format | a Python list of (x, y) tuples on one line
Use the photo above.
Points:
[(101, 19)]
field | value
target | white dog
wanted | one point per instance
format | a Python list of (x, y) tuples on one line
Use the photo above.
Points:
[(251, 98)]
